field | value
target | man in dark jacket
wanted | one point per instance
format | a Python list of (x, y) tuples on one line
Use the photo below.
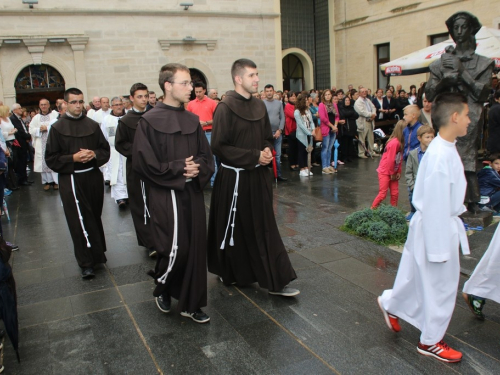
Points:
[(493, 144), (23, 137)]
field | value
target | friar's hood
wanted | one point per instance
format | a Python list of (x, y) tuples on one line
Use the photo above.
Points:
[(170, 120), (252, 109)]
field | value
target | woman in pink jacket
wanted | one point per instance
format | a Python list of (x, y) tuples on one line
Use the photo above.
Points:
[(329, 117)]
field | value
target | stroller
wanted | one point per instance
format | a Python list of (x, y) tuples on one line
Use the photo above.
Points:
[(379, 140)]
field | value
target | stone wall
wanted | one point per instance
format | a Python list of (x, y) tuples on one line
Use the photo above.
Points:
[(123, 43)]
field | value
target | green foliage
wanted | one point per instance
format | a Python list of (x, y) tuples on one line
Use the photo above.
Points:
[(386, 225)]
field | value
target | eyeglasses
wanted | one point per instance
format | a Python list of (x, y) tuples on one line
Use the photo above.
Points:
[(116, 105), (185, 83), (73, 102)]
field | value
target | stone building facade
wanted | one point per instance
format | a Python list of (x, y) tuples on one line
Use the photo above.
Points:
[(105, 47)]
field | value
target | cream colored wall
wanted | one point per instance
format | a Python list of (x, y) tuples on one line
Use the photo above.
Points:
[(123, 48), (355, 52)]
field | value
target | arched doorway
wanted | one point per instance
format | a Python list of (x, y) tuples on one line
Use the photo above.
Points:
[(197, 76), (293, 73), (297, 70), (37, 82)]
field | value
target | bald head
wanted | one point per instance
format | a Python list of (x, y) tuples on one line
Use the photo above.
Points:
[(96, 102), (44, 106)]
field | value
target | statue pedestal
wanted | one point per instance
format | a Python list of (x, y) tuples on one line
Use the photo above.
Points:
[(482, 219)]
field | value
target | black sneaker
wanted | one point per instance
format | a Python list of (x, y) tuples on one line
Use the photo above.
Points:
[(151, 253), (14, 246), (164, 303), (87, 273), (198, 316), (475, 304)]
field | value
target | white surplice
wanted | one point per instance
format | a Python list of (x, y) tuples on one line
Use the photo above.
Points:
[(425, 289), (485, 280), (101, 115), (114, 169)]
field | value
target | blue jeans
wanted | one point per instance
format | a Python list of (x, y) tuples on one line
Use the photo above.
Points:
[(495, 201), (209, 139), (410, 198), (277, 147), (326, 149)]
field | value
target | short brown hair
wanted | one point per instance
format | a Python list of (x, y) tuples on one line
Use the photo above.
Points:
[(445, 105), (168, 71), (239, 67), (424, 129)]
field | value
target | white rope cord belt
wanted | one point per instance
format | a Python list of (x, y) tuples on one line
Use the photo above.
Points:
[(77, 204), (146, 211), (173, 250), (232, 210)]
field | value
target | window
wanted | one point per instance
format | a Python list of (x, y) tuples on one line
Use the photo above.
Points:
[(383, 56), (438, 38)]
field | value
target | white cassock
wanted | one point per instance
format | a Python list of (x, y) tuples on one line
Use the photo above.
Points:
[(40, 143), (425, 289), (115, 168), (91, 113), (485, 280), (99, 116)]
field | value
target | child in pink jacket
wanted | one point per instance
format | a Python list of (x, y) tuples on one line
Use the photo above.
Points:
[(389, 169)]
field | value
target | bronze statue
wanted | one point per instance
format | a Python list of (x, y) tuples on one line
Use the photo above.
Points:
[(460, 69)]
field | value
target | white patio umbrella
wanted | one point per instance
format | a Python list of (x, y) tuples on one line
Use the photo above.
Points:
[(488, 44)]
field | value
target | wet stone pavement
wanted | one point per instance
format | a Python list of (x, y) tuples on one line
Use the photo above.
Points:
[(111, 325)]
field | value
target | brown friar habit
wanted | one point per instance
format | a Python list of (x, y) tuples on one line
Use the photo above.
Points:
[(254, 252), (66, 137), (165, 137), (124, 140)]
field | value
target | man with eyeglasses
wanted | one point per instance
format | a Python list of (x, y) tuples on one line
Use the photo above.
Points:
[(137, 190), (172, 155), (76, 148), (204, 108), (115, 171), (244, 244), (39, 128)]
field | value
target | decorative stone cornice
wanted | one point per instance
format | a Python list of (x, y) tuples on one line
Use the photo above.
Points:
[(166, 43), (36, 46), (78, 43)]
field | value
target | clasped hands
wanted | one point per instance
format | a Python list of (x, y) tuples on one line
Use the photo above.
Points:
[(192, 169), (83, 156), (266, 156)]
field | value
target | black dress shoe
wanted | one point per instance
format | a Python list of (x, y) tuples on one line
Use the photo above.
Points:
[(25, 183), (106, 183), (88, 273), (294, 168), (30, 182), (164, 303), (121, 204), (283, 179)]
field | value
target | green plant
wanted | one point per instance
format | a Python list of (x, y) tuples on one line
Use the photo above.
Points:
[(385, 225), (357, 218)]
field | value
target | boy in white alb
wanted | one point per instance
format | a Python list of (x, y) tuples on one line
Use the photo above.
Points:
[(425, 289)]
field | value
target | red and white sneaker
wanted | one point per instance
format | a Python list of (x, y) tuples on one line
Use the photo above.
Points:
[(440, 351), (391, 320)]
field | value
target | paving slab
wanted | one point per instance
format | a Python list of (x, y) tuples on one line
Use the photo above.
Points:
[(111, 325)]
